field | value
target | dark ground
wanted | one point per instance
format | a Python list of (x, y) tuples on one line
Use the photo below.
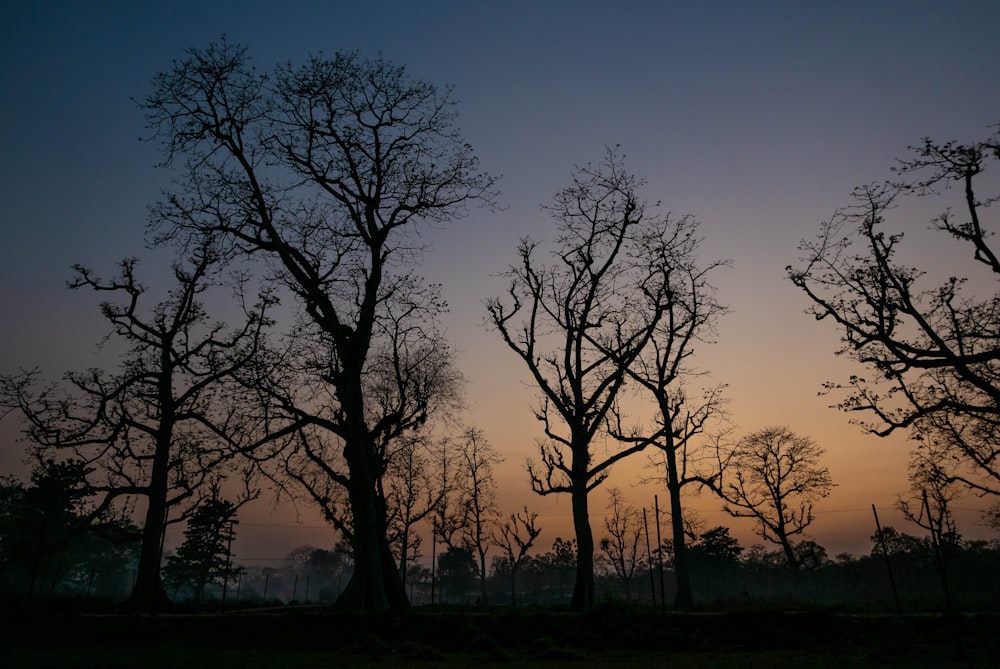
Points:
[(606, 637)]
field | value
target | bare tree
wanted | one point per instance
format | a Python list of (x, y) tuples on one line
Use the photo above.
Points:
[(516, 536), (774, 477), (931, 350), (169, 423), (477, 486), (928, 503), (324, 170), (413, 494), (664, 371), (449, 518), (621, 547), (578, 324)]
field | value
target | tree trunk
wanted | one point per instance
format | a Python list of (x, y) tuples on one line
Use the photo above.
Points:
[(404, 542), (375, 584), (684, 597), (790, 557), (483, 590), (583, 587), (148, 592)]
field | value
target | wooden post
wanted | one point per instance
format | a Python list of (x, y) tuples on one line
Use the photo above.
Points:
[(888, 564), (659, 544), (433, 560), (649, 559), (229, 557)]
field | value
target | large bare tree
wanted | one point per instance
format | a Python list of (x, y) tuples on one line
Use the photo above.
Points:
[(169, 422), (664, 372), (578, 324), (774, 477), (324, 169), (930, 350)]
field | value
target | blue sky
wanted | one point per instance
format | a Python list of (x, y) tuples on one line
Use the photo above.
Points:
[(757, 117)]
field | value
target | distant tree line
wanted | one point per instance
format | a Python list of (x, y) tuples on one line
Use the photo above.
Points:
[(49, 555)]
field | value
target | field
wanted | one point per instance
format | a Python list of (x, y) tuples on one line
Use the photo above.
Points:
[(612, 637)]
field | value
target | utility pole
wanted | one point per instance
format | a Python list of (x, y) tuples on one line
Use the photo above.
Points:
[(649, 559), (229, 555), (659, 544)]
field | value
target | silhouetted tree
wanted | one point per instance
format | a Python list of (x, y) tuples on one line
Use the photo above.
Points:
[(48, 535), (810, 555), (326, 571), (203, 557), (160, 427), (578, 324), (560, 563), (620, 548), (773, 476), (325, 169), (477, 488), (931, 350), (717, 546), (928, 503), (516, 535), (40, 521), (456, 571), (664, 371), (413, 494)]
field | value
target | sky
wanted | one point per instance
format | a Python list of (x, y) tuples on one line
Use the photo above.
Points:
[(759, 118)]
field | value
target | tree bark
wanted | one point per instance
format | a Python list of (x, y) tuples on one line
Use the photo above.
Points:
[(375, 584), (790, 557), (148, 592), (684, 598), (583, 587)]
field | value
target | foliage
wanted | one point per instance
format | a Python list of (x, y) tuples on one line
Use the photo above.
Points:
[(50, 544), (204, 556), (456, 570), (717, 546)]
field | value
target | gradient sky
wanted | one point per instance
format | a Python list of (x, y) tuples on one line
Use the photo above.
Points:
[(757, 117)]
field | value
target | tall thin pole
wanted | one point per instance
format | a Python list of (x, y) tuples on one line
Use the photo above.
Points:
[(433, 561), (888, 564), (649, 559), (659, 544), (229, 556)]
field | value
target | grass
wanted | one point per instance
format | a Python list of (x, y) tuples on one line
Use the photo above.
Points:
[(617, 639)]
